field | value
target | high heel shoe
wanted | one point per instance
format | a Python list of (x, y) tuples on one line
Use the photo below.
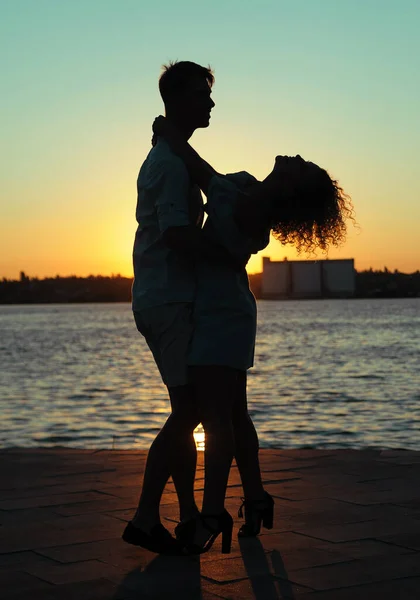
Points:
[(256, 513), (224, 526)]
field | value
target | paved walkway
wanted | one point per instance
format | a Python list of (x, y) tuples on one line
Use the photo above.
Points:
[(347, 526)]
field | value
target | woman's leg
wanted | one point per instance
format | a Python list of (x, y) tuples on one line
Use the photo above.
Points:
[(183, 459), (173, 453), (214, 389), (246, 444)]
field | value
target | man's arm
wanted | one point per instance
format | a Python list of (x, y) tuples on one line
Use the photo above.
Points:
[(174, 220), (191, 241), (199, 170)]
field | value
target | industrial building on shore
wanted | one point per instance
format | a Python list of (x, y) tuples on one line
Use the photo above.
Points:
[(308, 278)]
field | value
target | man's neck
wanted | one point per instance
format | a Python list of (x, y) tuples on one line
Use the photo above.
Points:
[(184, 129)]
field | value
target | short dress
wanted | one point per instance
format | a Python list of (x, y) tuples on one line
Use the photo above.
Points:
[(225, 311)]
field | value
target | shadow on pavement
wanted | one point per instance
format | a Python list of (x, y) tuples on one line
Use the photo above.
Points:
[(260, 567), (164, 577)]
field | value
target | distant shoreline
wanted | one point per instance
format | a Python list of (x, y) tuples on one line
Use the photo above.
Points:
[(101, 289), (284, 299)]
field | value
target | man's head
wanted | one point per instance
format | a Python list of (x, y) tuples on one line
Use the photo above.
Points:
[(185, 88)]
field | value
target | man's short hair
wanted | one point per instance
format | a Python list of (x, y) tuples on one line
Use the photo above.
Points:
[(177, 75)]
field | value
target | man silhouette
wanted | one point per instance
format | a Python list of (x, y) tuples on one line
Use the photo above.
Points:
[(168, 241)]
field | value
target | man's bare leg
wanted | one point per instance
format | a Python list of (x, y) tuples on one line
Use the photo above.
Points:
[(173, 453)]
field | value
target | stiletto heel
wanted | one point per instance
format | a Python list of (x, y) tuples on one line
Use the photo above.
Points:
[(256, 513), (227, 538), (224, 527), (268, 517)]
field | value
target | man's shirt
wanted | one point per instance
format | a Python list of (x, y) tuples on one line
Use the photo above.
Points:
[(165, 198)]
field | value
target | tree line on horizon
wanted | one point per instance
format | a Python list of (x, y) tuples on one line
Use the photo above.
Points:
[(115, 288)]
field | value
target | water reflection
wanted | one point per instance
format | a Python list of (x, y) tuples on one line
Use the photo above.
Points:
[(82, 376)]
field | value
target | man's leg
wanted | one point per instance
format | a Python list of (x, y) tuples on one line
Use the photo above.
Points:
[(173, 453)]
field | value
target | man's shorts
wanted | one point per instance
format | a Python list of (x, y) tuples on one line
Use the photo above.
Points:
[(168, 331)]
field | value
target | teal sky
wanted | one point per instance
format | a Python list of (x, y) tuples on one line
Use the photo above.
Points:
[(337, 82)]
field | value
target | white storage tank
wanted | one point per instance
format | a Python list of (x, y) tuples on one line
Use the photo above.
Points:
[(306, 279), (275, 279), (338, 277)]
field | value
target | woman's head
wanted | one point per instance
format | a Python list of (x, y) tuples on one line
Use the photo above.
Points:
[(305, 206)]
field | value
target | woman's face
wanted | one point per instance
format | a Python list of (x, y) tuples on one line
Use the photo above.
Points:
[(287, 172), (290, 166)]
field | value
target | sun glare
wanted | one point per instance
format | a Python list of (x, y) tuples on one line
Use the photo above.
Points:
[(199, 438)]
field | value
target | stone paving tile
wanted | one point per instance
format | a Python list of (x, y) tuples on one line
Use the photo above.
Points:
[(18, 538), (114, 551), (368, 548), (94, 522), (27, 483), (98, 589), (18, 560), (299, 521), (124, 515), (107, 504), (398, 589), (258, 562), (295, 489), (358, 531), (299, 506), (177, 577), (358, 572), (28, 515), (72, 572), (408, 540), (290, 540), (352, 493), (258, 587), (375, 497), (411, 504), (48, 488), (282, 469), (51, 500), (20, 581), (36, 536), (404, 458)]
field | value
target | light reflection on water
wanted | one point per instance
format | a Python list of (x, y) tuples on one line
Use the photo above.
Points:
[(327, 373)]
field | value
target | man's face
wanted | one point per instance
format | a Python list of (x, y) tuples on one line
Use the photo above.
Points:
[(195, 103)]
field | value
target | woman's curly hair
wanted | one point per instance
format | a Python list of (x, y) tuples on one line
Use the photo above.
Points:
[(316, 214)]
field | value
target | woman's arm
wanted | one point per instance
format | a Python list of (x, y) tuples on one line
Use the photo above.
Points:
[(199, 170)]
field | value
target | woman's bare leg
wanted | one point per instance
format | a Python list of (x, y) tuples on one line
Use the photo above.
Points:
[(214, 390), (246, 444)]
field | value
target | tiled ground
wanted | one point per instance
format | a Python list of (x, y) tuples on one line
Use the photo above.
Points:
[(347, 526)]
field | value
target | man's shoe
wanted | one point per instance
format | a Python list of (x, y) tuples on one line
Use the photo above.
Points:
[(159, 539)]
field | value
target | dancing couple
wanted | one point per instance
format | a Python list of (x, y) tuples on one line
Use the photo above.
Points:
[(192, 303)]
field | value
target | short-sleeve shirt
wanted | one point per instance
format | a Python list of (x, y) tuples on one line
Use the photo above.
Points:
[(165, 198)]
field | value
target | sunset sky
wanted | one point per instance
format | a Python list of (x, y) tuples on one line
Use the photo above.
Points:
[(336, 81)]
